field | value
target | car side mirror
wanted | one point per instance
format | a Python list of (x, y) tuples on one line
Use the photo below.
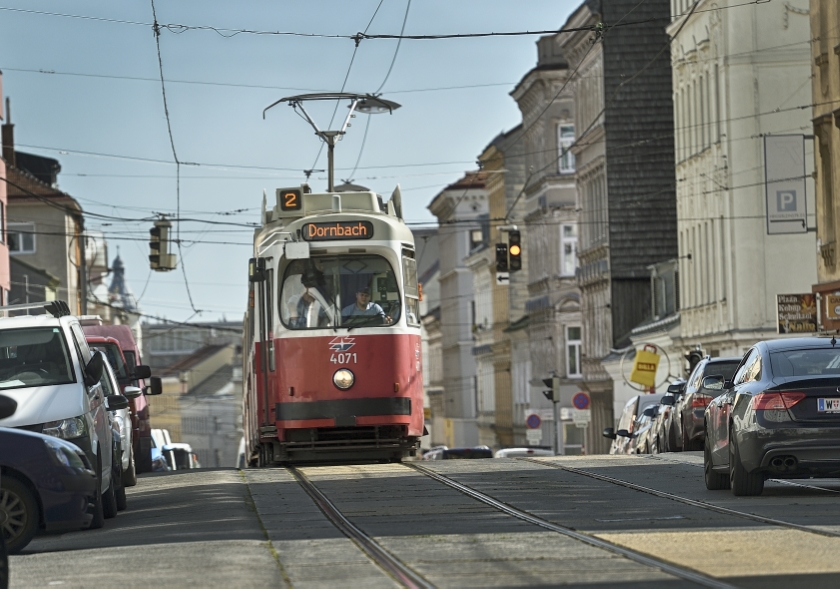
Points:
[(155, 386), (8, 406), (116, 402), (676, 388), (93, 370), (609, 433), (623, 433), (650, 411), (714, 383), (142, 371), (132, 392), (668, 400)]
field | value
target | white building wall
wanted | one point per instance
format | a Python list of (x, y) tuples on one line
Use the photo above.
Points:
[(739, 74)]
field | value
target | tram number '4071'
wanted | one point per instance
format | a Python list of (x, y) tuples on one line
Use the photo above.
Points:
[(348, 358)]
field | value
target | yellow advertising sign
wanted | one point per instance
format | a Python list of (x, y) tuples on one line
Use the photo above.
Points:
[(832, 307), (644, 366)]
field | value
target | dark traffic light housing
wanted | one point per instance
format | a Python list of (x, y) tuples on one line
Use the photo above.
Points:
[(159, 257), (501, 257), (514, 251)]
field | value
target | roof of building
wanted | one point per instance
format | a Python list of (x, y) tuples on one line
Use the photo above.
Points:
[(22, 185), (193, 359), (213, 383)]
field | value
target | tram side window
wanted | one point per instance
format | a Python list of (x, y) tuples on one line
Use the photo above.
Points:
[(346, 290), (412, 301)]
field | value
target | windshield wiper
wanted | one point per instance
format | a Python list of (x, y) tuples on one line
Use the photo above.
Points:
[(367, 321)]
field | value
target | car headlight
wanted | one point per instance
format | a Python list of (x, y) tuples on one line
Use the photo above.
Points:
[(343, 379), (66, 429), (63, 455)]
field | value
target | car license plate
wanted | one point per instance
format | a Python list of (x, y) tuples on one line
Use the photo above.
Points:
[(828, 405)]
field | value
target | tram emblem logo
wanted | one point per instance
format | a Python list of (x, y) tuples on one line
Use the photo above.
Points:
[(342, 344)]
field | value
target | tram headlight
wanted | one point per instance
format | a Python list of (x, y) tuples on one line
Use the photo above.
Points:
[(343, 379)]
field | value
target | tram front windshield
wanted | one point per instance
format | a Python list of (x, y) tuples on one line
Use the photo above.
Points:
[(339, 291)]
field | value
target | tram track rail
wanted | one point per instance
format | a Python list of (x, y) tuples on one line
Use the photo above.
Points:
[(392, 565), (693, 502), (680, 572)]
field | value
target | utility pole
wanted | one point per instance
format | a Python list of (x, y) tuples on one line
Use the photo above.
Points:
[(80, 221)]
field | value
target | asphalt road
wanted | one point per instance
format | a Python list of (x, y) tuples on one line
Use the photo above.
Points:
[(260, 528)]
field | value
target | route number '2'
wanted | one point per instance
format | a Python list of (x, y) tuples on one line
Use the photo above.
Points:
[(290, 200), (348, 358)]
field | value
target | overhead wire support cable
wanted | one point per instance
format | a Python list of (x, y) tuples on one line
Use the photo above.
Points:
[(378, 90), (157, 28)]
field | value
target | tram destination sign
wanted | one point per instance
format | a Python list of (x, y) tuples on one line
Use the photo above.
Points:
[(337, 230)]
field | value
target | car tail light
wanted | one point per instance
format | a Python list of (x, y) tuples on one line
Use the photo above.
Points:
[(700, 401), (776, 401)]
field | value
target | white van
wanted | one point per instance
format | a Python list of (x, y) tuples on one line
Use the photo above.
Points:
[(47, 367)]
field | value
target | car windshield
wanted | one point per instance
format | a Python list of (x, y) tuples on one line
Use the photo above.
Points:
[(32, 357), (724, 369), (334, 291), (115, 358), (813, 362)]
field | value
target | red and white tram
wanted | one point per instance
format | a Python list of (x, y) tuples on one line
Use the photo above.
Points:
[(332, 333)]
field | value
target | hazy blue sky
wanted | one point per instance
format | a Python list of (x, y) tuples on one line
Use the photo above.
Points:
[(100, 112)]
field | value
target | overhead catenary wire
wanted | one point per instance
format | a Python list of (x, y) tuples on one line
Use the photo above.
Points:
[(178, 28)]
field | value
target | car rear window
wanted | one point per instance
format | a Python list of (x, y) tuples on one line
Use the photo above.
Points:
[(724, 369), (812, 362)]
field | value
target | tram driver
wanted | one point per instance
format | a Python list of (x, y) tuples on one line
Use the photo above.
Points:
[(364, 307)]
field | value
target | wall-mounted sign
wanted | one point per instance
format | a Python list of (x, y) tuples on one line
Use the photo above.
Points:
[(832, 307), (645, 366), (784, 165), (797, 313), (337, 230)]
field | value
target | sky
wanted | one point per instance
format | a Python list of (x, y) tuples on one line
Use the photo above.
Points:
[(84, 82)]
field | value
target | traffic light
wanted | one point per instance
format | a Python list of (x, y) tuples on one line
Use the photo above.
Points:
[(501, 257), (159, 257), (693, 357), (514, 251), (554, 394)]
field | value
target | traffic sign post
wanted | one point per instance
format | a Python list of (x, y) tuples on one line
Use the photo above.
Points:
[(581, 400)]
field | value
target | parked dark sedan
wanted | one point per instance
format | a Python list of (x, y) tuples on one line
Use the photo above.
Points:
[(692, 404), (631, 424), (778, 417), (46, 484)]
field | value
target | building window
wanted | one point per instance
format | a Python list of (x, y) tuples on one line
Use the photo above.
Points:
[(21, 238), (565, 139), (568, 250), (573, 351)]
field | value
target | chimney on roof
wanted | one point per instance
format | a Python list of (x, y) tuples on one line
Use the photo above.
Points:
[(8, 136)]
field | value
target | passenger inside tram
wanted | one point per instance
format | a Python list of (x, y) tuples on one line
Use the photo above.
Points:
[(352, 291)]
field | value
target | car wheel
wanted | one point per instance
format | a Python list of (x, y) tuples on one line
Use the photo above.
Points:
[(143, 461), (109, 502), (743, 483), (129, 476), (122, 502), (119, 487), (18, 513), (4, 564), (715, 481)]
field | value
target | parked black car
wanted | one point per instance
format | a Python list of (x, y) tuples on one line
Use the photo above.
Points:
[(692, 404), (664, 425), (47, 484), (626, 438), (779, 416)]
